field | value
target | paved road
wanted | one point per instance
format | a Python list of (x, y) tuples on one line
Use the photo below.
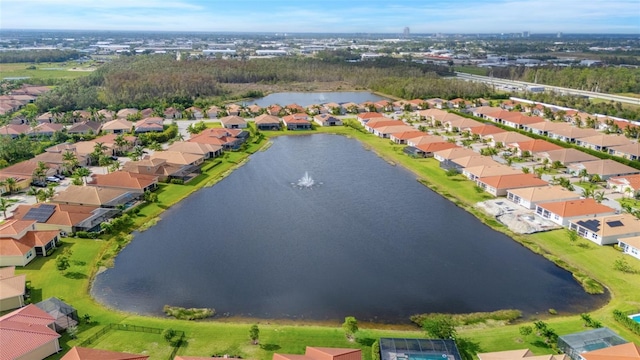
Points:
[(522, 84)]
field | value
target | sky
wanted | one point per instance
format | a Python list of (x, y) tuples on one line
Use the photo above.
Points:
[(327, 16)]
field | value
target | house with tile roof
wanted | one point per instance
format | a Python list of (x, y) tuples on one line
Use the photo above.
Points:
[(267, 122), (484, 130), (207, 151), (22, 172), (544, 127), (628, 351), (428, 149), (565, 156), (172, 113), (630, 245), (606, 230), (274, 110), (129, 181), (505, 138), (125, 113), (65, 218), (327, 120), (602, 142), (299, 121), (453, 153), (25, 335), (603, 168), (405, 136), (385, 132), (14, 130), (12, 288), (103, 197), (476, 172), (630, 151), (46, 129), (227, 138), (499, 184), (374, 123), (522, 354), (562, 212), (150, 124), (531, 196), (364, 117), (20, 242), (233, 109), (117, 126), (64, 314), (457, 125), (189, 162), (628, 185), (422, 138), (294, 109), (320, 353), (532, 147), (82, 353), (85, 128), (233, 122), (468, 161), (571, 134)]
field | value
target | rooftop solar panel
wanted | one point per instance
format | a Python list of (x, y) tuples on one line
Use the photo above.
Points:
[(615, 223), (40, 214), (593, 225)]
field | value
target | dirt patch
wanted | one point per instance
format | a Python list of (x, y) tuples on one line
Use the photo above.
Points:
[(516, 218), (303, 86)]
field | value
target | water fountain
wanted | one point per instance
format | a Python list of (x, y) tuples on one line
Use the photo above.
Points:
[(306, 181)]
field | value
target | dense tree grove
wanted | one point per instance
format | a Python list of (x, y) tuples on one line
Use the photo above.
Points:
[(150, 81), (19, 56), (601, 79), (584, 104)]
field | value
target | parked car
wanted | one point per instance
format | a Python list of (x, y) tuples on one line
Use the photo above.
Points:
[(39, 184), (53, 179), (59, 176)]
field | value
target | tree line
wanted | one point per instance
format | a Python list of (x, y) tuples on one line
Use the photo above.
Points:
[(152, 81), (615, 109), (37, 56)]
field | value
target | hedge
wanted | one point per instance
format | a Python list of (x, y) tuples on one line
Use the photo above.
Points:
[(626, 321)]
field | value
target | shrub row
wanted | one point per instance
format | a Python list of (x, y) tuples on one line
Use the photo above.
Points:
[(508, 315), (188, 314), (625, 320)]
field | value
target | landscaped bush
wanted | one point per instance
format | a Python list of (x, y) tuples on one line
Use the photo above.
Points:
[(188, 314), (629, 323), (86, 235), (177, 181), (473, 318)]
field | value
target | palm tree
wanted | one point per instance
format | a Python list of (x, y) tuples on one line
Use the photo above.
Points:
[(628, 190), (137, 153), (587, 193), (70, 161), (4, 206), (82, 172), (115, 166), (49, 193), (599, 196), (98, 151), (120, 143), (526, 170), (34, 192), (584, 174), (11, 184)]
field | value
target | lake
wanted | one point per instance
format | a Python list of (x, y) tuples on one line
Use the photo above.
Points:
[(366, 240), (310, 98)]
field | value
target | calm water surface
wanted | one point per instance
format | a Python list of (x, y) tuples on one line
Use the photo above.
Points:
[(367, 240), (311, 98)]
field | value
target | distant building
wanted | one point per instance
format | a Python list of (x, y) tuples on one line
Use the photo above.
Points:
[(406, 32)]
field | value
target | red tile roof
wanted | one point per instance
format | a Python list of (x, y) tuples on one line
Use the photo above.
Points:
[(513, 181), (573, 208), (81, 353)]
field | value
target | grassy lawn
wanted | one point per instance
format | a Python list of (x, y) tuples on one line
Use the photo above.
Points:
[(65, 70), (230, 336)]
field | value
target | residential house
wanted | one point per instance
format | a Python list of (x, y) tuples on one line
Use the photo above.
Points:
[(150, 124), (506, 138), (485, 112), (82, 353), (628, 351), (109, 140), (372, 124), (630, 245), (499, 185), (55, 160), (12, 288), (453, 153), (167, 165), (117, 126), (213, 112), (254, 109), (233, 110), (267, 122), (124, 180), (484, 130), (274, 110), (436, 103), (467, 161), (103, 197), (190, 161), (606, 230), (421, 138), (457, 125), (398, 348), (146, 113), (172, 113), (14, 130), (630, 151), (207, 151), (562, 212), (46, 129), (459, 103), (332, 108), (64, 314), (385, 132), (363, 118), (47, 117), (533, 147), (318, 353), (233, 122), (25, 334), (65, 218), (227, 138), (294, 109), (298, 121), (105, 115), (531, 196), (602, 142), (20, 242), (628, 185), (327, 120), (353, 108), (127, 113), (603, 168), (427, 150), (570, 134), (576, 344), (85, 128), (516, 120), (544, 127), (476, 172), (383, 106), (195, 112), (23, 172), (418, 104), (405, 136), (565, 156), (522, 354)]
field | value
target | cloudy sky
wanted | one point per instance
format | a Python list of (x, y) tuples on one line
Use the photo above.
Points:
[(370, 16)]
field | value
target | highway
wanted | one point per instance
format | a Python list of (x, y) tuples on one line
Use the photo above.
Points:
[(523, 85)]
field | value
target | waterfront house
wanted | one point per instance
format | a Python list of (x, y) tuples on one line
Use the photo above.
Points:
[(227, 138), (428, 149), (12, 288), (630, 151), (103, 197), (565, 156), (531, 196), (606, 230), (26, 334), (562, 212), (207, 151), (117, 126), (476, 172), (299, 121), (468, 161), (129, 181), (62, 217), (385, 132), (327, 120), (363, 118), (630, 245), (151, 124), (421, 138), (274, 110), (233, 109), (64, 314), (318, 353), (499, 184), (382, 122), (254, 109), (405, 136), (603, 168), (453, 153), (628, 351), (398, 348), (20, 242), (233, 122), (267, 122), (628, 185), (577, 344)]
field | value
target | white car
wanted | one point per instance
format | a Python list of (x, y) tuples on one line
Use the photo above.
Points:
[(53, 179)]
